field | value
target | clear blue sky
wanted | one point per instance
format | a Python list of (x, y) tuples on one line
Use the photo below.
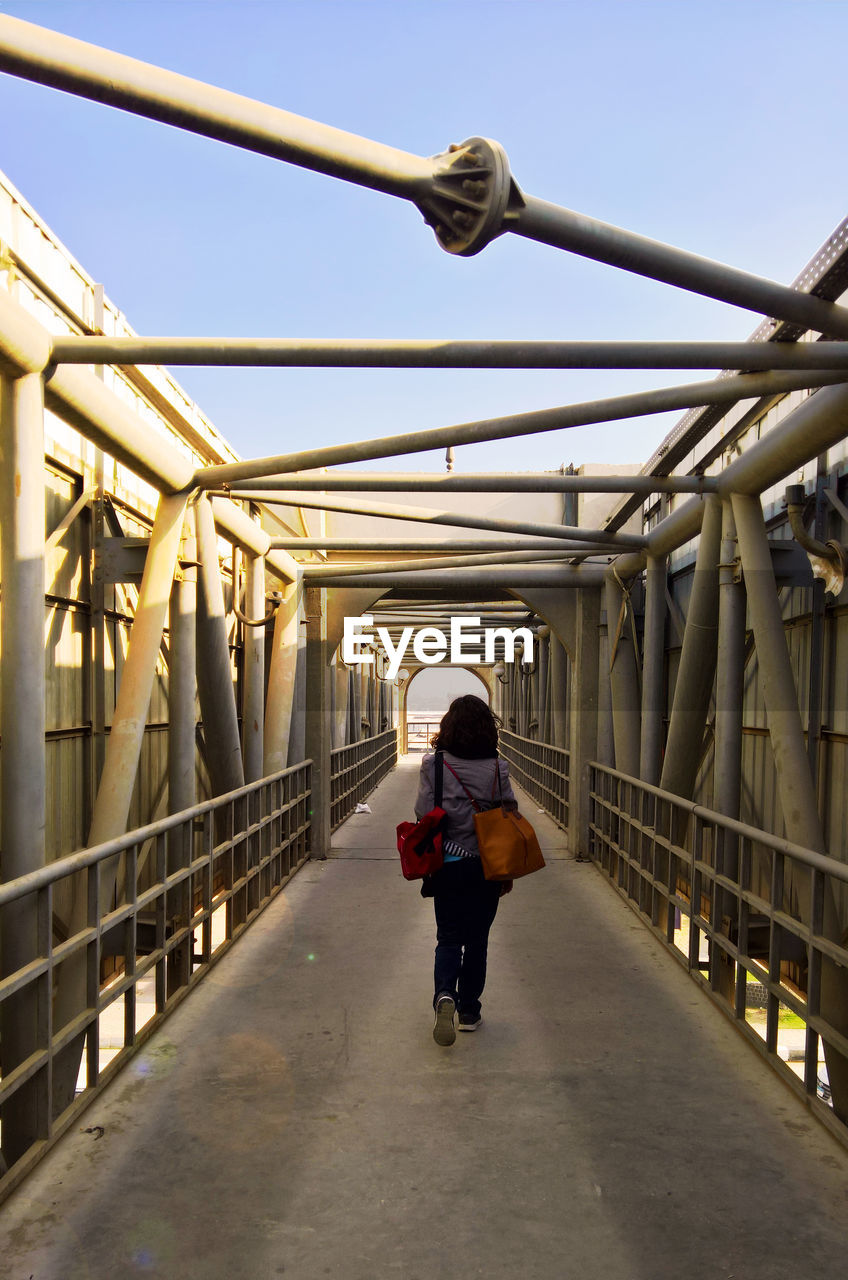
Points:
[(715, 127)]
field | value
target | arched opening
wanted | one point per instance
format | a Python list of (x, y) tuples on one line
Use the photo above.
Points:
[(429, 693)]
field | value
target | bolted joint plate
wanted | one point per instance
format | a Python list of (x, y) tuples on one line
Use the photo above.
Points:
[(471, 196)]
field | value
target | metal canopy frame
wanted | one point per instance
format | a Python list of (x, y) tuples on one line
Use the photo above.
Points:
[(468, 195)]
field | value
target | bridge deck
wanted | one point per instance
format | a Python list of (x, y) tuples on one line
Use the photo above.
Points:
[(295, 1118)]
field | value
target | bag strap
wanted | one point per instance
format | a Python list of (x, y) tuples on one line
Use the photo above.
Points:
[(439, 772), (496, 781), (474, 802)]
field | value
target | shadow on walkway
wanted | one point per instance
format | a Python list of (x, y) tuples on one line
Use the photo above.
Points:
[(295, 1118)]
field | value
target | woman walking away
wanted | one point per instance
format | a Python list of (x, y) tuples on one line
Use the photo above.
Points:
[(465, 902)]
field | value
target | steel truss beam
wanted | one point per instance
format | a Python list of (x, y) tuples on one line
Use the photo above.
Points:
[(467, 194), (315, 573), (589, 413), (429, 515), (485, 482)]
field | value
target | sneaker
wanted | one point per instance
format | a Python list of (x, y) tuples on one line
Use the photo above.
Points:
[(444, 1031), (469, 1021)]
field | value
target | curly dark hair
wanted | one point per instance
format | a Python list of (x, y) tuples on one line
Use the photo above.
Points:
[(469, 729)]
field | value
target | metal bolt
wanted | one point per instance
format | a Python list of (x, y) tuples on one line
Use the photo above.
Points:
[(462, 219), (474, 188)]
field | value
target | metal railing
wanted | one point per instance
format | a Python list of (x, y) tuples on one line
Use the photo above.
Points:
[(541, 769), (355, 771), (715, 892), (419, 734), (193, 882)]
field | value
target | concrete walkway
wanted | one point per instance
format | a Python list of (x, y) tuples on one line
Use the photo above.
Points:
[(295, 1118)]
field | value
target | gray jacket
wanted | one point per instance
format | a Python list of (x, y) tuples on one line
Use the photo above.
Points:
[(479, 778)]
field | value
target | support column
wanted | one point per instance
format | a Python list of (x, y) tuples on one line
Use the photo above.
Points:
[(606, 747), (182, 685), (22, 791), (318, 722), (584, 719), (253, 711), (653, 661), (112, 806), (727, 755), (696, 673), (340, 710), (559, 692), (794, 781), (279, 705), (182, 734), (214, 674), (542, 651), (624, 679), (730, 682)]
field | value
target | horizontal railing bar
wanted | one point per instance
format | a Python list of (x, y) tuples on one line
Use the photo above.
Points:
[(820, 861), (74, 862), (23, 1072)]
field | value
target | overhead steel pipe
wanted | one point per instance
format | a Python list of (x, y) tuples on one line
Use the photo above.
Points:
[(483, 482), (315, 573), (564, 229), (112, 78), (437, 353), (718, 391), (401, 545), (467, 194), (818, 424), (429, 515)]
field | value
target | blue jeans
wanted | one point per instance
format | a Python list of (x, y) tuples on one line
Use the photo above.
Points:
[(466, 904)]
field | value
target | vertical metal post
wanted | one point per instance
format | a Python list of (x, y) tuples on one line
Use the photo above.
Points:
[(559, 692), (624, 679), (23, 788), (730, 679), (542, 651), (253, 712), (318, 721), (727, 768), (214, 674), (653, 687), (340, 711), (279, 704), (794, 780), (584, 718), (817, 631), (182, 685), (697, 662), (182, 729), (606, 748)]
